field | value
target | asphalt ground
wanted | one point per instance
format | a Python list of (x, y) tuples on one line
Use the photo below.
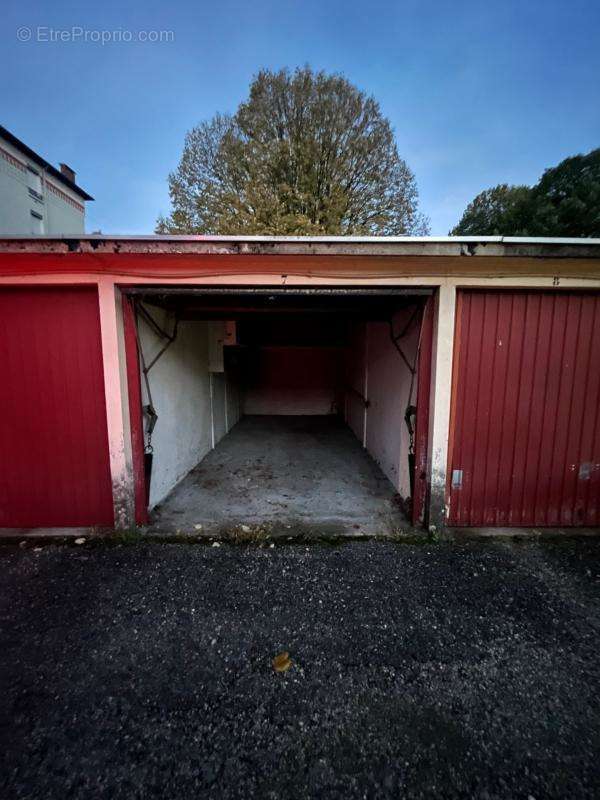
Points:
[(417, 670)]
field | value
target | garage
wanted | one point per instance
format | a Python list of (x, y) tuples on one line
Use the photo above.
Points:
[(525, 424), (53, 436), (279, 409), (335, 385)]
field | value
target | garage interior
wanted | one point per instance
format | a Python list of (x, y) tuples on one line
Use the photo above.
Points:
[(285, 410)]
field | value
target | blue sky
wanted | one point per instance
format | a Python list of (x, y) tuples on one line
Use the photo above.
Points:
[(478, 93)]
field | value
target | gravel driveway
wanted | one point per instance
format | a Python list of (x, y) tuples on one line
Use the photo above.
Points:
[(441, 670)]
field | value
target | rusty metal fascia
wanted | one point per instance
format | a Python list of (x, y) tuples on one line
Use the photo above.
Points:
[(306, 246)]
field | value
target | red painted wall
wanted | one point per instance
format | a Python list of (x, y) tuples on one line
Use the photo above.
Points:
[(53, 436), (526, 417), (294, 380)]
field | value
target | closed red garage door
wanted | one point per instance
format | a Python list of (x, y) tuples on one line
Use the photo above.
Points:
[(53, 436), (525, 429)]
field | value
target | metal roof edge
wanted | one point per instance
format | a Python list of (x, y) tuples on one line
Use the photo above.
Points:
[(307, 246), (306, 239)]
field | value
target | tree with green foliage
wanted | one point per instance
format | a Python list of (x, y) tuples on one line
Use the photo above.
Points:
[(494, 211), (306, 153), (564, 202)]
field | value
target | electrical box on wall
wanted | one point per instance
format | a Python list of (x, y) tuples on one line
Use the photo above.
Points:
[(219, 334)]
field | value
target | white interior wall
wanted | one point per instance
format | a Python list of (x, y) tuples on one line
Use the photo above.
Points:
[(379, 368), (219, 407), (233, 405), (356, 382), (189, 400)]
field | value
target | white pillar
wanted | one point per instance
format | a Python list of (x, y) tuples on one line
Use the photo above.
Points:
[(440, 399), (117, 403)]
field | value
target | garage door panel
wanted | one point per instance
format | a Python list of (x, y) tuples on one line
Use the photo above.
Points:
[(588, 484), (485, 377), (579, 415), (509, 412), (565, 425), (566, 435), (526, 439), (500, 407), (473, 322), (523, 385), (54, 438), (533, 439), (551, 371)]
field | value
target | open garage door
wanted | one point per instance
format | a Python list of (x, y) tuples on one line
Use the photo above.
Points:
[(525, 430), (280, 406), (53, 435)]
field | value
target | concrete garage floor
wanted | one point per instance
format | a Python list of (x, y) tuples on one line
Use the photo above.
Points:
[(419, 671), (301, 475)]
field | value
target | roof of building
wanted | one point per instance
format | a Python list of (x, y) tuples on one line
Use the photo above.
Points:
[(309, 245), (41, 162)]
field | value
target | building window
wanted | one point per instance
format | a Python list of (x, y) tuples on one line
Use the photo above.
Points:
[(34, 182), (37, 223)]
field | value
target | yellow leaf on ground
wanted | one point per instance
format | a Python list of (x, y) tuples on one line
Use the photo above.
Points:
[(282, 662)]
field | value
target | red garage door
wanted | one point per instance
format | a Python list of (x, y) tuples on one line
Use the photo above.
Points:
[(53, 437), (525, 431)]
